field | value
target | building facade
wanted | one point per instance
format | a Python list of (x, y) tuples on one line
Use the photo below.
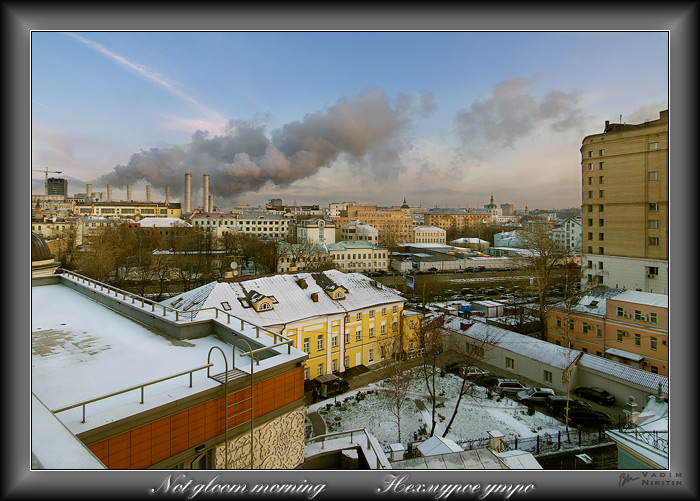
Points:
[(630, 327), (459, 220), (625, 191), (355, 230), (359, 256), (393, 225), (128, 210), (425, 234)]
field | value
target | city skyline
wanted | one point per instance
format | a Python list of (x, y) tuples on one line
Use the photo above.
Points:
[(438, 118)]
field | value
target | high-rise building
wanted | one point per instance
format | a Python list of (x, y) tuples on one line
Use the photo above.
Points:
[(625, 206), (57, 186)]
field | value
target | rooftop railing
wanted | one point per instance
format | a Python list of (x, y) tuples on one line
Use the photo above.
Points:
[(278, 339)]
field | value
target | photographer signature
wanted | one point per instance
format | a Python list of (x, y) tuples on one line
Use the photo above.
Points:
[(625, 478)]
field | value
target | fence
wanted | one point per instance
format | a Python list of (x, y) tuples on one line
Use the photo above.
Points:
[(544, 442)]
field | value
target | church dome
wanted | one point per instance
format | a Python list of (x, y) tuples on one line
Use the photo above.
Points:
[(40, 251)]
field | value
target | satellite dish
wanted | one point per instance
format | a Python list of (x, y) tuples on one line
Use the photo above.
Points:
[(234, 265), (235, 273)]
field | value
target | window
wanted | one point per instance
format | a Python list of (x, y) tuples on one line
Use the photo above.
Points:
[(590, 180), (653, 240), (637, 340), (558, 321), (590, 222), (510, 363), (652, 318), (637, 315), (598, 331), (653, 223), (620, 312), (654, 146), (590, 166), (358, 334), (590, 249), (411, 345), (601, 250), (347, 362), (600, 267), (371, 355), (382, 352), (410, 324), (307, 373), (590, 154), (319, 371), (601, 166), (394, 326), (590, 235), (359, 317), (601, 153), (601, 236), (371, 313), (654, 175), (601, 208), (620, 335), (601, 193), (601, 222), (653, 207), (601, 179), (371, 332), (571, 325), (334, 340), (334, 365), (547, 376), (590, 194), (653, 343), (347, 337), (383, 329), (590, 208), (319, 342), (307, 344), (654, 369), (585, 328)]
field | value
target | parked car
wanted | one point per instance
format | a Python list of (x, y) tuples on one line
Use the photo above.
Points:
[(588, 418), (509, 386), (596, 394), (556, 404), (534, 395), (489, 381), (454, 367)]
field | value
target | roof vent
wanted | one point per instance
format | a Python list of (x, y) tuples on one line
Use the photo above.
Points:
[(302, 283), (314, 297)]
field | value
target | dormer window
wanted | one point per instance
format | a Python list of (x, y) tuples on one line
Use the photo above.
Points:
[(263, 305)]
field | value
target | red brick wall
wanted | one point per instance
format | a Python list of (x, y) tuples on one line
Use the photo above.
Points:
[(156, 441)]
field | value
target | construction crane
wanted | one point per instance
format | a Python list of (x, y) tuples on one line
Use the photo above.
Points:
[(46, 177)]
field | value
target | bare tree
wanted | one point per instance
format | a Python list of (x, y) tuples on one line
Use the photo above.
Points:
[(398, 379), (429, 334), (542, 257)]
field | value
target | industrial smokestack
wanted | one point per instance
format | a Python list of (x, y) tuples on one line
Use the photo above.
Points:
[(128, 193), (148, 193), (188, 192), (211, 203), (167, 194), (88, 190), (205, 197), (109, 192)]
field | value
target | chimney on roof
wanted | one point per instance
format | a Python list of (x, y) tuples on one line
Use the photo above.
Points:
[(167, 194), (314, 297), (302, 283)]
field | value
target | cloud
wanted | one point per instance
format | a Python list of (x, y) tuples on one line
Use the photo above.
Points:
[(512, 112)]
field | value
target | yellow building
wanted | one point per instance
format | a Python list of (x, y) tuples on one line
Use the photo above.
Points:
[(458, 220), (625, 189), (341, 320), (630, 327), (128, 210)]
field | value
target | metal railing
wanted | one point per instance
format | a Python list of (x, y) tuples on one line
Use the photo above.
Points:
[(141, 387), (657, 439), (284, 340)]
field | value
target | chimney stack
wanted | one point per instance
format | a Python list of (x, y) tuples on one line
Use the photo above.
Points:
[(148, 193), (211, 203), (128, 193), (205, 198), (88, 190), (188, 188), (167, 194), (109, 192)]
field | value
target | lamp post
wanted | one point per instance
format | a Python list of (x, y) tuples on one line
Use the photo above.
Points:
[(335, 385)]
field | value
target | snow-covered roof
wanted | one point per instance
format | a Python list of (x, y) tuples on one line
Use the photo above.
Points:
[(624, 354), (535, 349), (594, 302), (626, 372), (645, 298), (466, 240), (438, 445), (353, 244), (162, 222), (427, 227), (294, 303)]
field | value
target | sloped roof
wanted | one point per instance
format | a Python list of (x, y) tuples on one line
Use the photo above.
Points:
[(626, 372), (646, 298), (438, 445), (293, 302)]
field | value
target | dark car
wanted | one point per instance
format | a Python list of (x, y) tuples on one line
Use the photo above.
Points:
[(488, 381), (454, 367), (595, 394), (556, 404), (588, 418)]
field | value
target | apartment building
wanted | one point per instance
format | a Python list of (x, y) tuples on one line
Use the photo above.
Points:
[(425, 234), (625, 191), (393, 225), (459, 220), (270, 225), (359, 256), (128, 210), (566, 235), (630, 327), (341, 320), (354, 230), (315, 230)]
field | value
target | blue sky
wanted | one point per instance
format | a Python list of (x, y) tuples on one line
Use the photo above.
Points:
[(440, 118)]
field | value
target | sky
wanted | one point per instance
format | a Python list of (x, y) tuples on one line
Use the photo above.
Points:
[(441, 118)]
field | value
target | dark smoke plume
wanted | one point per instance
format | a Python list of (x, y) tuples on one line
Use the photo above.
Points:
[(369, 129)]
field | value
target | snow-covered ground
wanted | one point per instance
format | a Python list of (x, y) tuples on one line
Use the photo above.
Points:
[(477, 415)]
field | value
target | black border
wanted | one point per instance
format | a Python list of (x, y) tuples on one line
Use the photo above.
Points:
[(19, 19)]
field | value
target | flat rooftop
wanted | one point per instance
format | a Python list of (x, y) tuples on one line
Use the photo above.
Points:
[(82, 349)]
